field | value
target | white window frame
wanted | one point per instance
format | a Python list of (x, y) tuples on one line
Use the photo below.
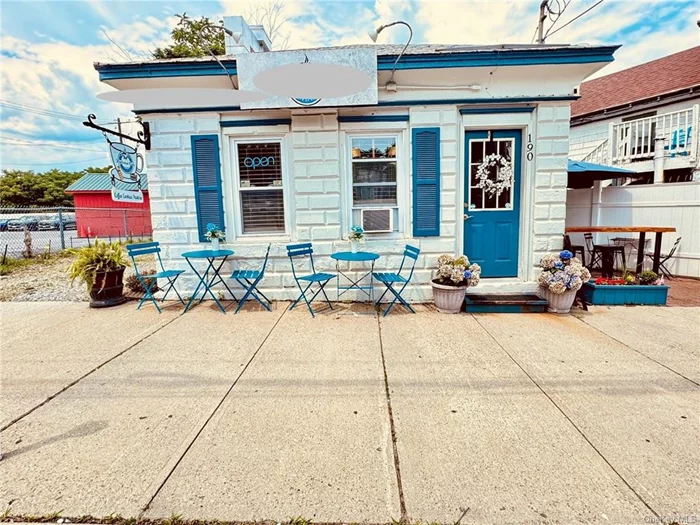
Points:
[(236, 186), (401, 179)]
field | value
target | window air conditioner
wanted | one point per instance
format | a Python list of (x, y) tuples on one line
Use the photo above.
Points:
[(377, 220)]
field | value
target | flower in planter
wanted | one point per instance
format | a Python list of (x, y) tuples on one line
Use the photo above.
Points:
[(457, 271), (214, 232), (562, 272), (356, 234)]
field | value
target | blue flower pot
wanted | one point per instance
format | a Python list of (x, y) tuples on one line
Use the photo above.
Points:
[(624, 294)]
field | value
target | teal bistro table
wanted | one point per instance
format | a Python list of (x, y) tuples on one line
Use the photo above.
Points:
[(356, 284), (210, 276)]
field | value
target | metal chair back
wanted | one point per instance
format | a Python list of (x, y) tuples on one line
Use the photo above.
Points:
[(410, 252), (144, 248), (589, 242), (267, 256), (301, 250), (567, 242), (673, 249)]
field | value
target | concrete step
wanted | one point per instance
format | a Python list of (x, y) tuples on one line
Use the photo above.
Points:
[(504, 303)]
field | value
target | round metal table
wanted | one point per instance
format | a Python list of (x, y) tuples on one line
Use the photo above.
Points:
[(205, 280), (351, 257)]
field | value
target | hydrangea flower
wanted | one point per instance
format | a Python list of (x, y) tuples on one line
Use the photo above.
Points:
[(565, 255), (562, 272)]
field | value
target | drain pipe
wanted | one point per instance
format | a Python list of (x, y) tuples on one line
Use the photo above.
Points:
[(659, 159)]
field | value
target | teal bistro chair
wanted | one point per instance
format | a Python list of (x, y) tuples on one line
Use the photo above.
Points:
[(298, 251), (149, 282), (390, 279), (249, 281)]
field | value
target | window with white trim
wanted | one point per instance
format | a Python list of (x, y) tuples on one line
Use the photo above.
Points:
[(260, 187), (374, 180)]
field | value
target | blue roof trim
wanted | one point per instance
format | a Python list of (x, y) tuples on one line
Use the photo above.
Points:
[(407, 103), (480, 58), (258, 122), (373, 118), (487, 111)]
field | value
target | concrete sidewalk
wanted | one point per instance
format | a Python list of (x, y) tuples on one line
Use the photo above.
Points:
[(349, 417)]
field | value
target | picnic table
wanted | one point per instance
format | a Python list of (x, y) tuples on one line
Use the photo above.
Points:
[(641, 230)]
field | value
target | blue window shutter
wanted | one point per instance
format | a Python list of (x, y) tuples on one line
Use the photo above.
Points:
[(207, 182), (426, 182)]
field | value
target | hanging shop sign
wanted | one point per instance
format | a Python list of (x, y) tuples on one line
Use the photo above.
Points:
[(252, 65), (127, 163)]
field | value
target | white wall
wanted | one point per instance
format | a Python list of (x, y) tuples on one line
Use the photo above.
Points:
[(314, 151), (676, 205)]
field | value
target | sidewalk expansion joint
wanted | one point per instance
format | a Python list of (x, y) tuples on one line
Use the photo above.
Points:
[(86, 374), (211, 416), (639, 352), (576, 427), (392, 426)]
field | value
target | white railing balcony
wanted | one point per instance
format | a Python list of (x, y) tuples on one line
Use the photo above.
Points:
[(635, 140)]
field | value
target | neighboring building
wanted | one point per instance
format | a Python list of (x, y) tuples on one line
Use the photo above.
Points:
[(623, 118), (404, 165), (97, 215)]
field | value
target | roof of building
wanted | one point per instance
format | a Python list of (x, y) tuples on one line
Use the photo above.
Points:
[(416, 56), (102, 182), (659, 77)]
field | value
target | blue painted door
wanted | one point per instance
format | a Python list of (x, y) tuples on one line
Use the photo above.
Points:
[(492, 201)]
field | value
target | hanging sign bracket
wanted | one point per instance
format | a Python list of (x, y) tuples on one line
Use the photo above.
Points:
[(143, 137)]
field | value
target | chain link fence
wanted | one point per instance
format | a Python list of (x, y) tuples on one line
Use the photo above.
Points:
[(31, 232)]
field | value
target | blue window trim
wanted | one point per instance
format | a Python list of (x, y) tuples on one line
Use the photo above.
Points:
[(218, 187), (488, 111), (476, 58), (385, 103), (416, 231), (258, 122), (373, 118)]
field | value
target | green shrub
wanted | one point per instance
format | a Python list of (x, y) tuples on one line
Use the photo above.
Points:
[(647, 277), (102, 256), (132, 282)]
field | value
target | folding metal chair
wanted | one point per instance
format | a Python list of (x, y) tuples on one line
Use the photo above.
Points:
[(145, 248), (322, 279), (663, 270), (390, 279), (249, 280)]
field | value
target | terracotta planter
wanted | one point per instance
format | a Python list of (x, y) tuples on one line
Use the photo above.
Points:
[(558, 303), (448, 299), (108, 289)]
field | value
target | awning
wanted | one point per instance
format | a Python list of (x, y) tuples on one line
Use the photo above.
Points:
[(583, 174)]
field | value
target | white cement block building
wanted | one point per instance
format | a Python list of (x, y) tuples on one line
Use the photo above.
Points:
[(331, 162)]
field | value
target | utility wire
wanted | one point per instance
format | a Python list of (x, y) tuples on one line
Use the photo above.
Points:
[(47, 145), (574, 19), (52, 163), (40, 111)]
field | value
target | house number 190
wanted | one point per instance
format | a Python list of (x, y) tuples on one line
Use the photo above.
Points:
[(530, 147)]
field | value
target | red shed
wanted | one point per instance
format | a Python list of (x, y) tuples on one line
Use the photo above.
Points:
[(96, 214)]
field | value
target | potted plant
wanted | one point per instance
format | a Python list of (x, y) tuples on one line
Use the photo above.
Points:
[(454, 276), (101, 267), (214, 235), (645, 288), (562, 275), (356, 235)]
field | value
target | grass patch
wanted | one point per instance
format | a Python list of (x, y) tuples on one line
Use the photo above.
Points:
[(13, 264)]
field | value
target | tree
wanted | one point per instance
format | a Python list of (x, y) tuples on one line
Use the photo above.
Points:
[(26, 188), (198, 37), (193, 38), (271, 16)]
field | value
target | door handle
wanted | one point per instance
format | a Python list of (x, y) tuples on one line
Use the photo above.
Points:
[(467, 217)]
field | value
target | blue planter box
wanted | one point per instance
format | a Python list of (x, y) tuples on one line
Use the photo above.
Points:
[(624, 294)]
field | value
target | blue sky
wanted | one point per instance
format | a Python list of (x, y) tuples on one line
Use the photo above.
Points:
[(48, 48)]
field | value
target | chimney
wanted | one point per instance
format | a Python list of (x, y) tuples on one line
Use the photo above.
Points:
[(245, 39)]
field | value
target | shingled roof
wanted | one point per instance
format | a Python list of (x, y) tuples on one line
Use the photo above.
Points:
[(665, 75)]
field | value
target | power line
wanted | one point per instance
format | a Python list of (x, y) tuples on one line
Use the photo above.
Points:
[(53, 163), (41, 112), (46, 145), (575, 18)]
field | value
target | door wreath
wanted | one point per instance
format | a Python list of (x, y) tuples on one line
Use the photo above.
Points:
[(504, 174)]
